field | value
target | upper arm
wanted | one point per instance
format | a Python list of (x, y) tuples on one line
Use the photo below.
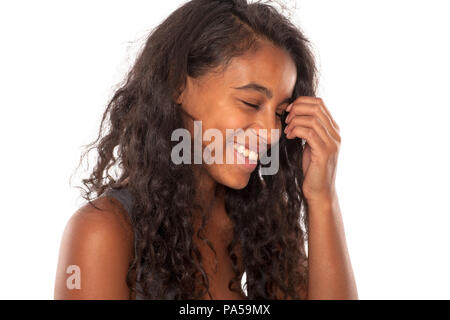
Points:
[(95, 252)]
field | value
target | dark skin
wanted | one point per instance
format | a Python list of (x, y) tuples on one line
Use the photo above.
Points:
[(101, 243)]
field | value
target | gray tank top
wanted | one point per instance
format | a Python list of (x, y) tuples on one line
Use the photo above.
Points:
[(124, 196)]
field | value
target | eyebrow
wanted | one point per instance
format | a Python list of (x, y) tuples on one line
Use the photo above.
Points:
[(257, 87)]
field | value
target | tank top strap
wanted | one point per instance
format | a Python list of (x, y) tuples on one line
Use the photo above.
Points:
[(124, 196)]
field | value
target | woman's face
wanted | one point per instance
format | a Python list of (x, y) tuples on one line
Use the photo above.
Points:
[(217, 101)]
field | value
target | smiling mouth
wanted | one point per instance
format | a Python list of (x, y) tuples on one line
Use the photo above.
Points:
[(245, 158), (246, 153)]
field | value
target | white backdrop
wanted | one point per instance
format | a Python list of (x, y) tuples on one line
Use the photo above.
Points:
[(384, 76)]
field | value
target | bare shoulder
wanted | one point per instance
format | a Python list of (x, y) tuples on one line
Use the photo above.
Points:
[(95, 252), (108, 219)]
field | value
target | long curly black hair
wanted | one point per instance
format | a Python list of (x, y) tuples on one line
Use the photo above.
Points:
[(269, 215)]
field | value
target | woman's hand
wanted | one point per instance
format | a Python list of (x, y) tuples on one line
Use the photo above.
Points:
[(310, 119)]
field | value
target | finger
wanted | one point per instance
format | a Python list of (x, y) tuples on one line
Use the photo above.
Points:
[(314, 123), (310, 136), (317, 100), (322, 103), (299, 109)]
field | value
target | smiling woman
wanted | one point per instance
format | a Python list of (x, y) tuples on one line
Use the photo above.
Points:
[(165, 230)]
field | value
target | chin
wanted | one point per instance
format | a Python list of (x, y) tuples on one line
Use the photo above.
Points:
[(235, 180), (238, 185)]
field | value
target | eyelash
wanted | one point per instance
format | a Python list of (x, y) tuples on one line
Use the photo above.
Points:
[(257, 107)]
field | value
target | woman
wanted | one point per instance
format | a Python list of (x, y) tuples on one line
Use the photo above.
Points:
[(166, 229)]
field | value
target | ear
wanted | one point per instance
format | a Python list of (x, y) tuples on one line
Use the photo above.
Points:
[(188, 84), (179, 95), (178, 99)]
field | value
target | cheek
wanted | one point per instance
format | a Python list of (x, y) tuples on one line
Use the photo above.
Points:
[(228, 175), (219, 126)]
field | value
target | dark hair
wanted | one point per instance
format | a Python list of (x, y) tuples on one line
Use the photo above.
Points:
[(269, 215)]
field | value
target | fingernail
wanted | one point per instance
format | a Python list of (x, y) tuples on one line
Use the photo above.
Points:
[(289, 107)]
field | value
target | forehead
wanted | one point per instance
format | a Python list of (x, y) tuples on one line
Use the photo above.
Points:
[(269, 66)]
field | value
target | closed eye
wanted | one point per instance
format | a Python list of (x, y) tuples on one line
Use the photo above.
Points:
[(280, 115), (251, 105)]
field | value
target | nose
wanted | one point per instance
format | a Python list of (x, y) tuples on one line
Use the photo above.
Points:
[(267, 127)]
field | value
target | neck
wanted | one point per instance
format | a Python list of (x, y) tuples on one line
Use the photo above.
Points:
[(211, 196), (209, 193)]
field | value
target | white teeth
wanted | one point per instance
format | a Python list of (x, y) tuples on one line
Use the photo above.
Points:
[(253, 156), (246, 153)]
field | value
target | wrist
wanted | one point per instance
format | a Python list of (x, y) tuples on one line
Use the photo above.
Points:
[(322, 202)]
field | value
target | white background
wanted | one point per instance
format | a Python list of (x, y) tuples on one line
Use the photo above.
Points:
[(384, 76)]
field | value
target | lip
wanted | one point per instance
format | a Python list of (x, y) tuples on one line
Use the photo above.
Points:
[(262, 149), (244, 162)]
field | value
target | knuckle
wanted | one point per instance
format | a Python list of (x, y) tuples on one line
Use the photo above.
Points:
[(316, 110), (319, 100), (337, 127), (316, 121)]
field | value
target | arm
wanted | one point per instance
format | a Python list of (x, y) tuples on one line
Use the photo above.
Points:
[(330, 271), (95, 252)]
